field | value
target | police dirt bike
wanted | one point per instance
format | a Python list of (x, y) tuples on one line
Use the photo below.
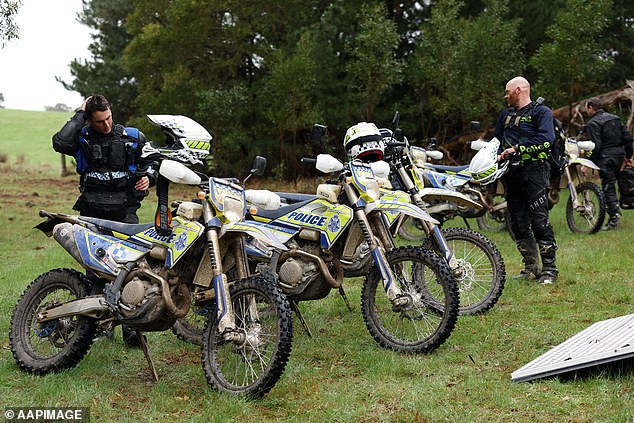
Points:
[(142, 275), (491, 211), (409, 298), (477, 264), (585, 208)]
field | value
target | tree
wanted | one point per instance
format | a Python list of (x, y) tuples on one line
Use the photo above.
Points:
[(8, 28), (460, 66), (373, 68), (104, 72), (573, 63)]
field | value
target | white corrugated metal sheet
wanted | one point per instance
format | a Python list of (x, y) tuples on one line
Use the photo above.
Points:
[(602, 342)]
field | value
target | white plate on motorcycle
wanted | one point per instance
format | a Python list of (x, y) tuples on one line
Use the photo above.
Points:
[(181, 127), (328, 164), (179, 173), (381, 169), (478, 144), (586, 145), (435, 154)]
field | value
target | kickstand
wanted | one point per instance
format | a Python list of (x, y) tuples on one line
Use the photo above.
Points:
[(146, 351), (301, 318), (345, 298)]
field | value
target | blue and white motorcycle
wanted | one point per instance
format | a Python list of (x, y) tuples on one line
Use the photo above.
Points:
[(147, 276)]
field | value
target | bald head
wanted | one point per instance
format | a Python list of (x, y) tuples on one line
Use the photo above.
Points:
[(518, 92)]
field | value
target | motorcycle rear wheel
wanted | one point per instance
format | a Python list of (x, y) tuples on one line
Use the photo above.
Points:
[(589, 218), (190, 328), (250, 369), (58, 344), (425, 324), (482, 268), (497, 221)]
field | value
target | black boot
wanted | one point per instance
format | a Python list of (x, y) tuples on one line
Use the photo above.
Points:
[(613, 223), (549, 268), (528, 250)]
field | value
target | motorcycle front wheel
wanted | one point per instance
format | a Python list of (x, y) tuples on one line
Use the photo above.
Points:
[(252, 366), (424, 323), (588, 217), (482, 271), (57, 344)]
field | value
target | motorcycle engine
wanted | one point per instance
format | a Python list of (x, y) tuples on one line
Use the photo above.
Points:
[(295, 273), (300, 276), (136, 292), (141, 303)]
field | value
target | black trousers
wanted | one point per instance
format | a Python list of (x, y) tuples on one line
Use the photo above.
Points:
[(525, 189), (609, 170)]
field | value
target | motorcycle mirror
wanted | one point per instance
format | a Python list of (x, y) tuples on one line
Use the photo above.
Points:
[(475, 126), (432, 144), (259, 164), (319, 134), (398, 134)]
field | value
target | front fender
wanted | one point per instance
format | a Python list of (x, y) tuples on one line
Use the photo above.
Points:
[(399, 207), (583, 162), (439, 194), (257, 231)]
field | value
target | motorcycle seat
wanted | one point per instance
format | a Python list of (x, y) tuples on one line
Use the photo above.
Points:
[(293, 197), (123, 228), (276, 214), (442, 168)]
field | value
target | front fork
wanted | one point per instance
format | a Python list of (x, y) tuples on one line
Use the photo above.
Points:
[(573, 191), (224, 307), (433, 231), (393, 291)]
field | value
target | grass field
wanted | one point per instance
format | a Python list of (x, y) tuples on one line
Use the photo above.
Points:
[(340, 374)]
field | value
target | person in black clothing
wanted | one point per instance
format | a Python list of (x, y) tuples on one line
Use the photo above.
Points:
[(526, 133), (108, 161), (613, 148)]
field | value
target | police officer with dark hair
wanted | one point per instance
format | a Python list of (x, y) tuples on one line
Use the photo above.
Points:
[(108, 161), (109, 164), (613, 147), (526, 132)]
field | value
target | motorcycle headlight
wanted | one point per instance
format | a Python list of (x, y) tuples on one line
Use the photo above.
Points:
[(372, 192), (233, 209)]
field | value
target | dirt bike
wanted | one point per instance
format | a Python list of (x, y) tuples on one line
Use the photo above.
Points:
[(585, 209), (490, 212), (477, 264), (142, 275), (342, 231)]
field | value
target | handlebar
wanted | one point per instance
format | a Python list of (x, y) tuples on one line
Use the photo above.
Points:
[(308, 160)]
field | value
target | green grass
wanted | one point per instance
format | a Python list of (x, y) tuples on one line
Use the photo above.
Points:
[(340, 374)]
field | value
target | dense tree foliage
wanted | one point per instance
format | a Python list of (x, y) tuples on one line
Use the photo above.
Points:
[(258, 73)]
